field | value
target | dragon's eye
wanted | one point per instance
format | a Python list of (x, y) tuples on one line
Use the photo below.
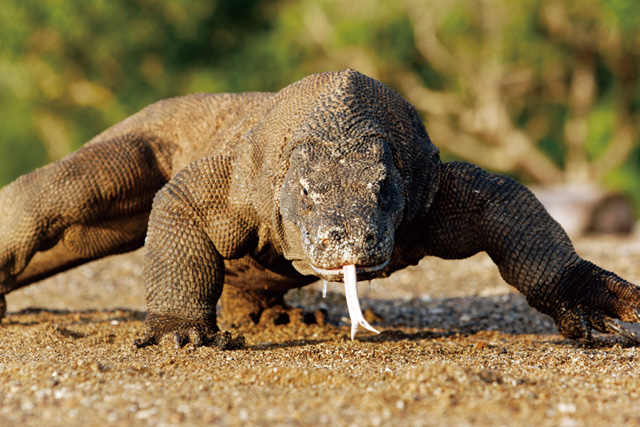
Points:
[(305, 200), (384, 194), (383, 188)]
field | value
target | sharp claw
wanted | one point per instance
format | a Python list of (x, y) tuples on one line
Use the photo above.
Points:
[(144, 342), (613, 327), (140, 343), (586, 329), (195, 337), (178, 340)]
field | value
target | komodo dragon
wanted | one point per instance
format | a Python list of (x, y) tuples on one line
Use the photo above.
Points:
[(333, 177)]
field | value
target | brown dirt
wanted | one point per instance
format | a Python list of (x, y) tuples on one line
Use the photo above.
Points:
[(458, 347)]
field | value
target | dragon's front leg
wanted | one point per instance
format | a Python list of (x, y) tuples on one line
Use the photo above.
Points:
[(477, 211)]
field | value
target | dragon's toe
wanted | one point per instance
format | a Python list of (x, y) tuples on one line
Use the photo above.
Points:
[(606, 324), (603, 297)]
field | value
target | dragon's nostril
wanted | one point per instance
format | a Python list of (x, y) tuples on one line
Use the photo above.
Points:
[(370, 240), (328, 238), (323, 243)]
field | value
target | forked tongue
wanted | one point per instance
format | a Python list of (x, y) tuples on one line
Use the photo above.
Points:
[(351, 291)]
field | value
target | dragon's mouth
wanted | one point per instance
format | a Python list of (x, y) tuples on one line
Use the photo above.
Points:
[(349, 274), (337, 274)]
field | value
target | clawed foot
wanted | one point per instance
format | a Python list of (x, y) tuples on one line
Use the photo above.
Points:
[(596, 298), (182, 332), (222, 339)]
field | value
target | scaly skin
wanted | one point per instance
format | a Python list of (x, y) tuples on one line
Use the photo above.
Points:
[(261, 191)]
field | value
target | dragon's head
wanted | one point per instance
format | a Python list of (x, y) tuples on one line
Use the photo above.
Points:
[(345, 200), (356, 164)]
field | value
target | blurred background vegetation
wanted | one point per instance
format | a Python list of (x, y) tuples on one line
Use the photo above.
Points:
[(547, 91)]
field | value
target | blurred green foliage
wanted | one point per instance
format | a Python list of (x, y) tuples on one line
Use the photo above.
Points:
[(545, 90)]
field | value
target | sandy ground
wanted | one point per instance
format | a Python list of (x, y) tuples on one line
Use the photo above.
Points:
[(458, 347)]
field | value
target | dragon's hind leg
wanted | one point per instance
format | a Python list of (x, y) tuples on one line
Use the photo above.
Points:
[(242, 307), (94, 202)]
